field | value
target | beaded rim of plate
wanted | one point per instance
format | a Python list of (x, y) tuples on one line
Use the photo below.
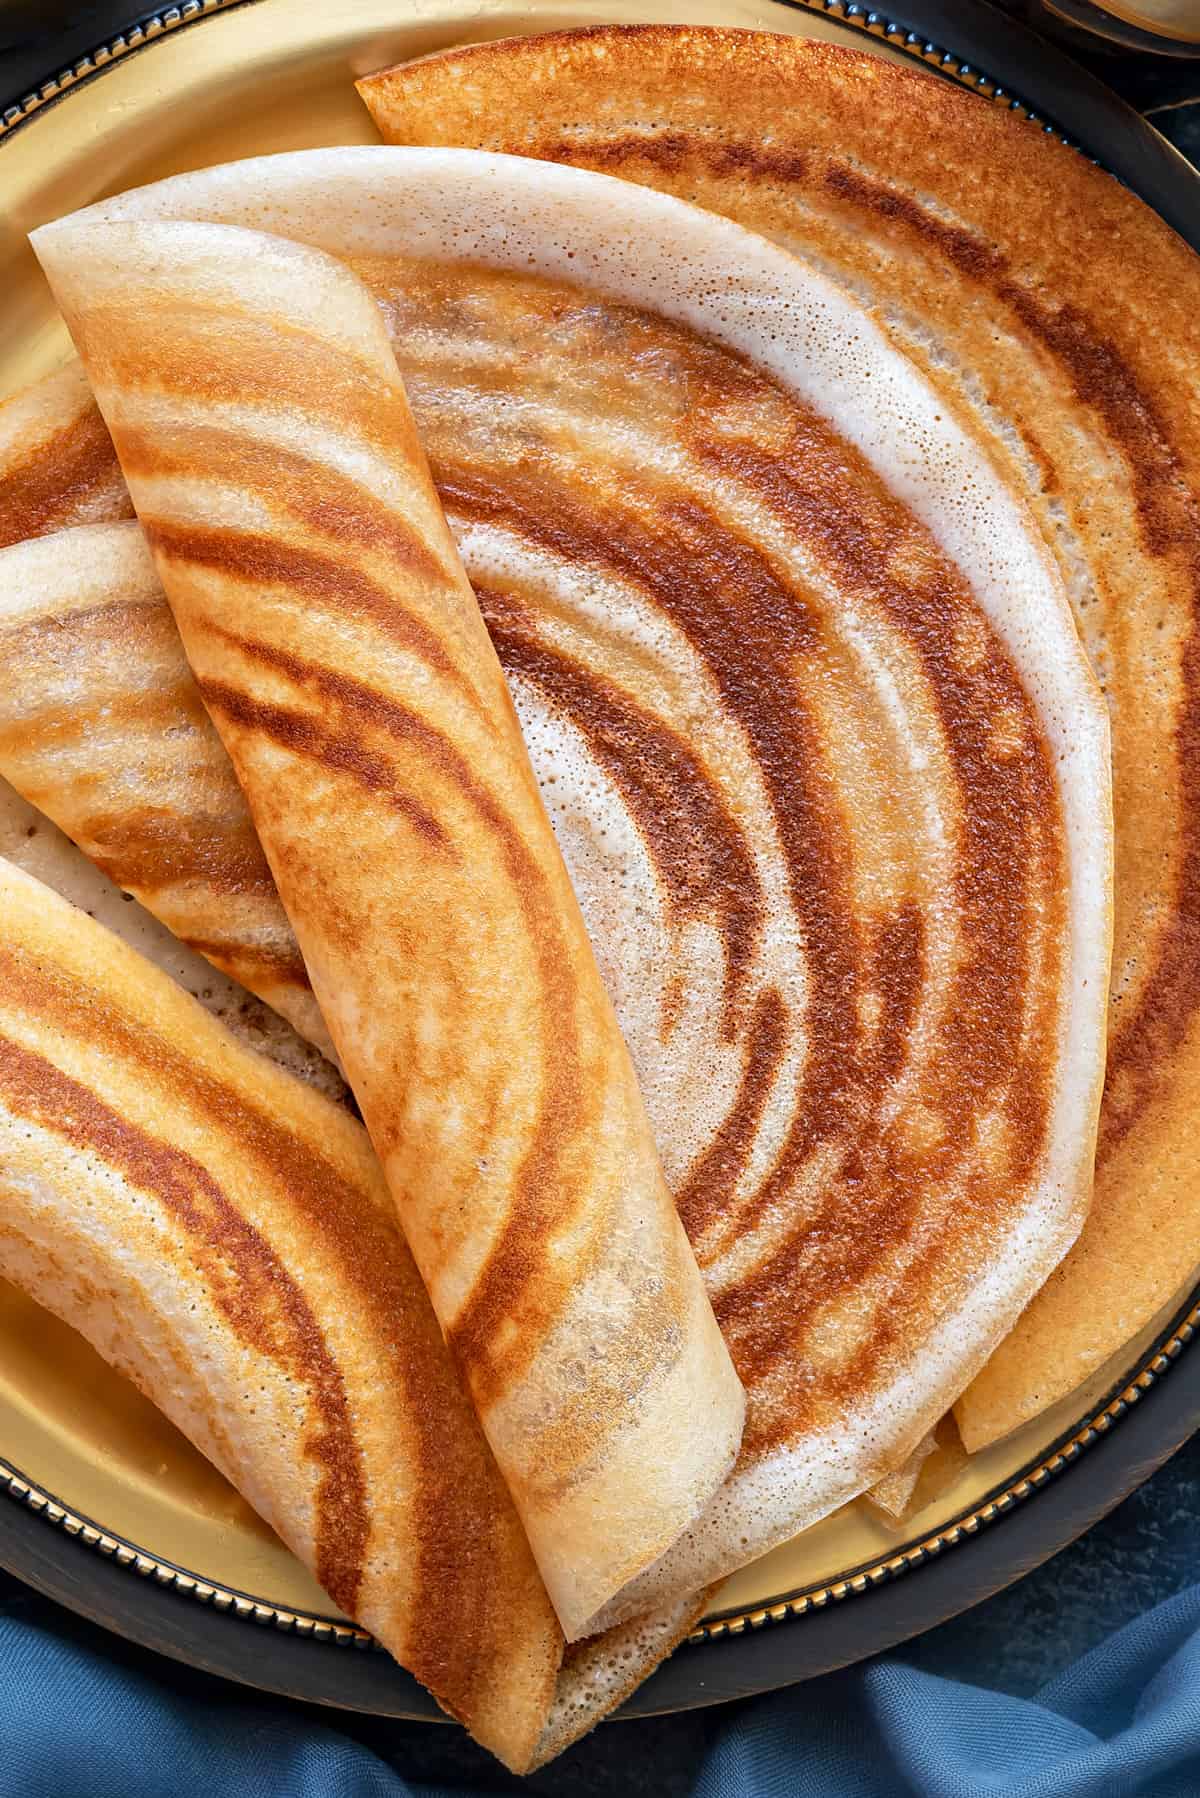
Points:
[(855, 17), (797, 1604), (887, 1567)]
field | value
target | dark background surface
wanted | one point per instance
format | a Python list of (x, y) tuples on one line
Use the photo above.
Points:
[(1144, 1551)]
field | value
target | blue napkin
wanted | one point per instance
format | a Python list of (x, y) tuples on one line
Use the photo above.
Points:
[(80, 1717), (1123, 1719)]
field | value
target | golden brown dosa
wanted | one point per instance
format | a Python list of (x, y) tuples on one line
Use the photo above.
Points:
[(102, 728), (821, 749), (264, 433), (86, 632), (1059, 320), (223, 1236)]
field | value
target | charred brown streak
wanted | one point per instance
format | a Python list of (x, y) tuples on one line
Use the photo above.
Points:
[(327, 579), (673, 153), (304, 487), (245, 1279), (711, 1180), (324, 741), (898, 974), (695, 843), (149, 848), (73, 469), (279, 962)]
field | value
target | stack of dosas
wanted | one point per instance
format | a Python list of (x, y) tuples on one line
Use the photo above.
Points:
[(805, 929), (796, 670)]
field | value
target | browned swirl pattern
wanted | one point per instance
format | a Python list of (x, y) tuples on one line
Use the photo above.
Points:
[(1057, 316), (822, 1003), (804, 798), (102, 728)]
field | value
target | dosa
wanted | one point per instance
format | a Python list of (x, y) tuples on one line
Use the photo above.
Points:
[(222, 1235), (1059, 319), (265, 436), (102, 728)]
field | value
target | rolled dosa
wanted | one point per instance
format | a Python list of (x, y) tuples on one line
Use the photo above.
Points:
[(1059, 319), (222, 1235), (821, 749), (264, 433), (102, 728)]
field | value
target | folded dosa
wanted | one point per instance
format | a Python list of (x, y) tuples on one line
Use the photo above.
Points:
[(223, 1236), (819, 743), (1059, 319), (266, 439), (102, 728), (160, 725), (939, 1463)]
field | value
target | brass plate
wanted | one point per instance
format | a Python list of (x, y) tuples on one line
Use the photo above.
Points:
[(210, 81)]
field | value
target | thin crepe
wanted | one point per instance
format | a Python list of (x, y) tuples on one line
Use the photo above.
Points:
[(101, 728), (264, 433), (1059, 319), (891, 1497), (939, 1463), (821, 748), (222, 1235)]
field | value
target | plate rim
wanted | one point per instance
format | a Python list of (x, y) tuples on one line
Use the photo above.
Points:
[(1034, 79), (1024, 72), (355, 1674)]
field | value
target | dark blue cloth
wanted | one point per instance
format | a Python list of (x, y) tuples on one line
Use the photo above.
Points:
[(82, 1716), (1125, 1719)]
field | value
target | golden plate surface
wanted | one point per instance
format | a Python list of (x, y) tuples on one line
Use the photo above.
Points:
[(217, 81)]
